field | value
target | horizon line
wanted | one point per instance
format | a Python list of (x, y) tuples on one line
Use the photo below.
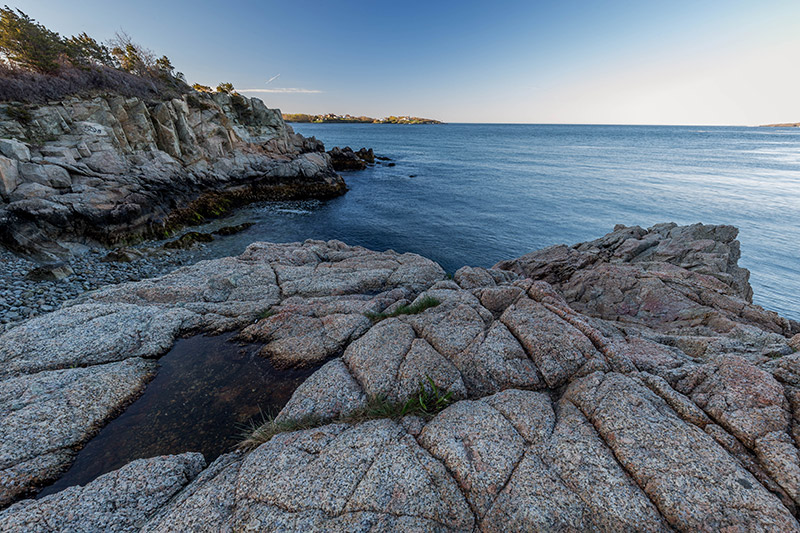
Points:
[(565, 123)]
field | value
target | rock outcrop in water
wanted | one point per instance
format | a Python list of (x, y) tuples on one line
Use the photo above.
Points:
[(345, 158), (108, 169), (626, 384)]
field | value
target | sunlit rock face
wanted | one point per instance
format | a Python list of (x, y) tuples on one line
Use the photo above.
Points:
[(109, 168), (626, 384)]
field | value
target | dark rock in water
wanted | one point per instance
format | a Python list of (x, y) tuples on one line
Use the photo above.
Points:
[(346, 159), (391, 164), (121, 255), (230, 230), (188, 240), (367, 155), (412, 175), (382, 158), (52, 272)]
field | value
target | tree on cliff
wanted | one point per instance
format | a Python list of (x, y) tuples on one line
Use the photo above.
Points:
[(136, 59), (85, 50), (26, 43), (164, 65), (131, 56)]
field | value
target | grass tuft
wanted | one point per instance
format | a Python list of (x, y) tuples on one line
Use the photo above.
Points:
[(257, 434), (428, 400), (411, 309), (266, 313), (426, 403)]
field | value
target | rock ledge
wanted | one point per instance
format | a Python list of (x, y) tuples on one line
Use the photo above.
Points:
[(626, 384)]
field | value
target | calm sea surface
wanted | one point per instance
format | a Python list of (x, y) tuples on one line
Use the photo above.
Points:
[(473, 194)]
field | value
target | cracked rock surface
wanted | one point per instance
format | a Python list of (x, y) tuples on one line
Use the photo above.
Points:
[(64, 374), (627, 384)]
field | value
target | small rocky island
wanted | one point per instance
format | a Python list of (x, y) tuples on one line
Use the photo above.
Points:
[(623, 384), (332, 118)]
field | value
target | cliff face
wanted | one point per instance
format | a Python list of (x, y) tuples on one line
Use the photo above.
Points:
[(110, 168)]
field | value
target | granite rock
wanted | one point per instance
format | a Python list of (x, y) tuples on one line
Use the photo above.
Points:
[(626, 384), (666, 277), (47, 415), (122, 500)]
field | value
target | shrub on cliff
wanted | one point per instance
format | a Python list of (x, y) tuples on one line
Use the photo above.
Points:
[(197, 102), (239, 104), (241, 107), (226, 87), (34, 87)]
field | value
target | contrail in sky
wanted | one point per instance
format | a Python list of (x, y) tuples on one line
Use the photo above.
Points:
[(282, 90), (273, 78)]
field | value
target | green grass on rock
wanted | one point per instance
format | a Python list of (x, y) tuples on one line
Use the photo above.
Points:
[(410, 309)]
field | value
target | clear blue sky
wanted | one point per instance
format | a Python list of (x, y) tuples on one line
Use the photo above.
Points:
[(645, 62)]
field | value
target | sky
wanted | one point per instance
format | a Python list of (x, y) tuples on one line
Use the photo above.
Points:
[(578, 62)]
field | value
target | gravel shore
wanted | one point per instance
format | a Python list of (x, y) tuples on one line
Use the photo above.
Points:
[(22, 298)]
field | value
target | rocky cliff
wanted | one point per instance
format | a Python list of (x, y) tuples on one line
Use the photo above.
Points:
[(625, 384), (110, 169)]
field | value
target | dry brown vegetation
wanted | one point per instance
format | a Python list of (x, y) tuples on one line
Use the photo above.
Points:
[(21, 85)]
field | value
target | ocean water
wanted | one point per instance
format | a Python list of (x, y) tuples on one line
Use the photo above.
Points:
[(473, 194)]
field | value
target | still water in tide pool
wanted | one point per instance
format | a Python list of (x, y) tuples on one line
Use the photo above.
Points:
[(207, 393), (481, 193)]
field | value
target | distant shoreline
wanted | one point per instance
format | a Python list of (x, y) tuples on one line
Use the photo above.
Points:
[(330, 118), (564, 124)]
